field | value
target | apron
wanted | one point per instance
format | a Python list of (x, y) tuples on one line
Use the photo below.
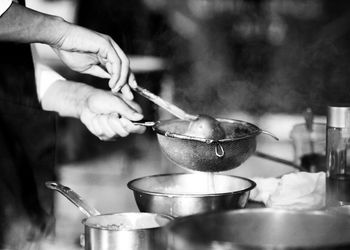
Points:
[(27, 152)]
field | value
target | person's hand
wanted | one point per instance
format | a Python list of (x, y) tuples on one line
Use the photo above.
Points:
[(90, 52), (108, 116)]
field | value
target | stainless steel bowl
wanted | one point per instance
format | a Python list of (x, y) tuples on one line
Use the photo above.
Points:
[(260, 229), (186, 194)]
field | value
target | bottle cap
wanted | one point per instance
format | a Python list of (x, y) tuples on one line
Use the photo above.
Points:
[(338, 116)]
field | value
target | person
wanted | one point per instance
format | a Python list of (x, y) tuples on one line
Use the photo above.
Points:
[(28, 112)]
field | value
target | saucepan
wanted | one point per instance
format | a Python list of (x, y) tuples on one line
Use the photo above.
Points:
[(203, 154), (185, 194), (260, 228), (136, 231)]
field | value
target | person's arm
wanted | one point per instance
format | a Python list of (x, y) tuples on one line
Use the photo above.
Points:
[(21, 24), (83, 50), (104, 114)]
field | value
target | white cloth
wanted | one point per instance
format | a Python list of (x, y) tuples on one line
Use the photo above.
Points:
[(300, 191), (4, 5)]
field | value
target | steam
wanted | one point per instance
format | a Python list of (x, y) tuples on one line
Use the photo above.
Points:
[(280, 60)]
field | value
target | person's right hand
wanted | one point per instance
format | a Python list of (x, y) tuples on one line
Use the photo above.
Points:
[(90, 52), (108, 116)]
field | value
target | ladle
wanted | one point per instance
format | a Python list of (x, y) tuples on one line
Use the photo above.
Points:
[(171, 108), (201, 126)]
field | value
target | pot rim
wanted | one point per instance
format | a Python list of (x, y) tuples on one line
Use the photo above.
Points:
[(208, 141), (252, 211), (131, 186), (168, 217)]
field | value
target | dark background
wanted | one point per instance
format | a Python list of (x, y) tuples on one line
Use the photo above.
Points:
[(224, 56), (250, 55)]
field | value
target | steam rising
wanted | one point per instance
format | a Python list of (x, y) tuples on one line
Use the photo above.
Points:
[(273, 56)]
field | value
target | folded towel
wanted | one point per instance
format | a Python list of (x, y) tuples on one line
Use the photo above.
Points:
[(299, 191)]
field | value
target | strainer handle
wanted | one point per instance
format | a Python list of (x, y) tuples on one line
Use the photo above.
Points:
[(270, 134), (219, 150)]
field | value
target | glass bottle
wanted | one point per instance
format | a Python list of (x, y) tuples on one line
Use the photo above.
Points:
[(338, 164)]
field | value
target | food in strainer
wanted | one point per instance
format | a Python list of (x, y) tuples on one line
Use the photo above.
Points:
[(206, 127)]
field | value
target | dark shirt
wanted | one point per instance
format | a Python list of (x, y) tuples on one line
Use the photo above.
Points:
[(27, 152)]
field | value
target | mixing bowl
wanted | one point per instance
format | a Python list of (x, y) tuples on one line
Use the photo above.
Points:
[(185, 194)]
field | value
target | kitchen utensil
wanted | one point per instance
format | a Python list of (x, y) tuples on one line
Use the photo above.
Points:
[(309, 146), (171, 108), (279, 160), (124, 231), (185, 194), (207, 155), (260, 228)]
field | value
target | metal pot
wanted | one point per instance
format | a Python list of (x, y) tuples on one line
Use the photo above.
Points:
[(260, 229), (134, 231), (186, 194), (124, 231), (207, 155)]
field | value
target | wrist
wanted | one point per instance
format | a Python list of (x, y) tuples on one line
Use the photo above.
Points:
[(54, 28), (82, 101), (67, 98)]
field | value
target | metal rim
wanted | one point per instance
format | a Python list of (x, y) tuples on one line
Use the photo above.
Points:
[(168, 217), (208, 141), (266, 211), (132, 187)]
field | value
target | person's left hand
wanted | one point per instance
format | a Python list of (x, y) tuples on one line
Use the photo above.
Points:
[(108, 116)]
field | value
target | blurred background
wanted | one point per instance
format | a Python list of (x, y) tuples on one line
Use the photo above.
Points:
[(263, 61)]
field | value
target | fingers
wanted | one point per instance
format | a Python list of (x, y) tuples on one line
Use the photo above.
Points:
[(110, 126), (129, 126), (122, 69), (102, 116), (97, 71), (116, 63), (132, 80), (105, 103), (127, 92), (131, 103)]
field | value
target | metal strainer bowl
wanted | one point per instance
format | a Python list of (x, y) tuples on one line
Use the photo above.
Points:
[(208, 155)]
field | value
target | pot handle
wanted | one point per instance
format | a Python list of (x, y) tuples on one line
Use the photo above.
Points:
[(76, 199)]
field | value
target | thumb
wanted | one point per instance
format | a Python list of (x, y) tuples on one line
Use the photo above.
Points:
[(106, 103), (97, 71)]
